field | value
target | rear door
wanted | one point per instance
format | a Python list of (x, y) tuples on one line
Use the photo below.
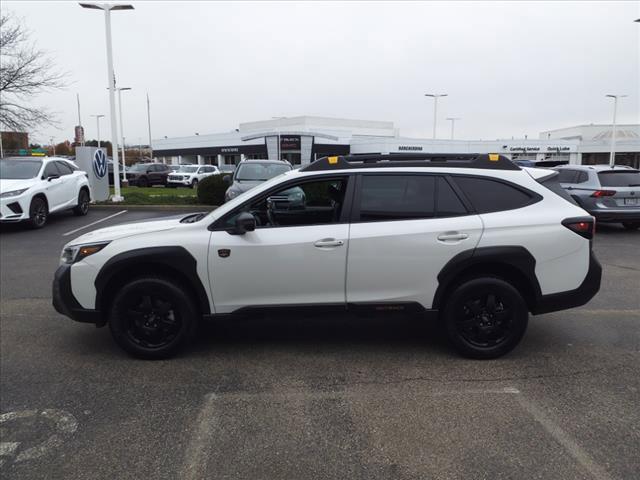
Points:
[(405, 229)]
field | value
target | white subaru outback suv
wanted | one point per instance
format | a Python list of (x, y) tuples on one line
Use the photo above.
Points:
[(473, 239), (33, 187)]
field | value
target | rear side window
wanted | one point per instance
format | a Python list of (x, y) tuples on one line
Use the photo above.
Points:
[(567, 176), (619, 178), (447, 202), (552, 184), (582, 177), (397, 197), (488, 195)]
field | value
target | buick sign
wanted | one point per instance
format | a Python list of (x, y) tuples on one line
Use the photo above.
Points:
[(99, 163)]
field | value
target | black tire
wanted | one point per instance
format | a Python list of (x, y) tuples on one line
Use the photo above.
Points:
[(631, 225), (82, 208), (38, 213), (485, 318), (194, 183), (153, 318), (143, 182)]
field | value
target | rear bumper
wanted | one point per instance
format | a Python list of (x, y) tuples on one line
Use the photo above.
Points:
[(573, 298), (65, 303), (616, 215)]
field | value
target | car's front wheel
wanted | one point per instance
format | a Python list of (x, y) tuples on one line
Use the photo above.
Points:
[(631, 225), (153, 317), (83, 203), (194, 183), (143, 182), (38, 213), (485, 318)]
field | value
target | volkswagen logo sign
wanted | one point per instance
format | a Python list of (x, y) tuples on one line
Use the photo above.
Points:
[(99, 163)]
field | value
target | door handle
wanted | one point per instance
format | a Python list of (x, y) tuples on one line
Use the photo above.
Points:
[(328, 242), (445, 237)]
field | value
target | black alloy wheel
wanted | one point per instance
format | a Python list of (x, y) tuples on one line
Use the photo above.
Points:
[(38, 213), (143, 182), (83, 203), (485, 318), (153, 318)]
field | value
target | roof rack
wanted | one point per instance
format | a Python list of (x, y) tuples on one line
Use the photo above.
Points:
[(492, 161)]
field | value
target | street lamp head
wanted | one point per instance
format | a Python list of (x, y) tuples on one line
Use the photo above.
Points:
[(435, 95), (616, 96), (105, 6)]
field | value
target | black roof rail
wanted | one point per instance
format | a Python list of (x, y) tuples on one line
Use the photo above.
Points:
[(492, 161)]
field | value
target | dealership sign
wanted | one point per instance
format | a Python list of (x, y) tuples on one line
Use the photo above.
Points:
[(290, 142), (410, 148)]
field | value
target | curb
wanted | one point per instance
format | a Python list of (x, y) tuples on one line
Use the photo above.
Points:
[(121, 206)]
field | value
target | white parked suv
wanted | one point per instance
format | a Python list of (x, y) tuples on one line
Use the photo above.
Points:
[(33, 187), (473, 239), (190, 175)]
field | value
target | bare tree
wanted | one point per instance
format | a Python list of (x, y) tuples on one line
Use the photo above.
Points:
[(25, 72)]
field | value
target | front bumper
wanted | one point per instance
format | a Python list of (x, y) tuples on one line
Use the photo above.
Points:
[(65, 303), (573, 298), (611, 215), (15, 209), (178, 183)]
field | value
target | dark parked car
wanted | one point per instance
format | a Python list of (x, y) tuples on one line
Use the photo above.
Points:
[(147, 174)]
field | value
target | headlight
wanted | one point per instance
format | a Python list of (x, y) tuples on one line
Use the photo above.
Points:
[(232, 193), (76, 253), (13, 193)]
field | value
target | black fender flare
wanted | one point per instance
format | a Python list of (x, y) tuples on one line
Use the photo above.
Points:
[(515, 259), (171, 258)]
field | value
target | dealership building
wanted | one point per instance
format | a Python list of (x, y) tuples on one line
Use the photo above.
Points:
[(300, 140)]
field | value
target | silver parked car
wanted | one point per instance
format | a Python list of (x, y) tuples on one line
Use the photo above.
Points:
[(611, 194)]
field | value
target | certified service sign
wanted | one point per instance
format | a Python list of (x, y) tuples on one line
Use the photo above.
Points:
[(100, 163)]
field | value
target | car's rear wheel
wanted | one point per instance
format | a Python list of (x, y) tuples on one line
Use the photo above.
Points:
[(143, 182), (631, 225), (83, 203), (153, 317), (38, 213), (485, 318)]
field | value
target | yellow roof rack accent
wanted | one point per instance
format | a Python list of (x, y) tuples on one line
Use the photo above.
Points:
[(494, 157), (333, 160)]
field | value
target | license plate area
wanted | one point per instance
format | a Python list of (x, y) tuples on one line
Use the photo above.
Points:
[(631, 201)]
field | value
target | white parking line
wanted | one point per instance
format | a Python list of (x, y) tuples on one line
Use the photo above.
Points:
[(571, 446), (93, 223), (195, 462)]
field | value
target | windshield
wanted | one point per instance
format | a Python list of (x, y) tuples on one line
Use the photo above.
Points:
[(186, 169), (620, 178), (259, 172), (19, 169)]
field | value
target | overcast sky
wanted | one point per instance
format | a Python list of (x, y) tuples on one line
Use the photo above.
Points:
[(510, 68)]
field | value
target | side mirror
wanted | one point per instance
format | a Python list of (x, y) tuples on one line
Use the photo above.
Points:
[(245, 222), (227, 179), (52, 177)]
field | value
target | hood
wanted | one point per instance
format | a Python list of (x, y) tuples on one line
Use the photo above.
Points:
[(9, 185), (128, 230)]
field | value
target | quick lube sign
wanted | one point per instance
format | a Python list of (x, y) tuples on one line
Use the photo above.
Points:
[(93, 161)]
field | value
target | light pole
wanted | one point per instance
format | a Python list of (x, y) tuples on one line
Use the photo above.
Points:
[(112, 85), (435, 97), (612, 155), (124, 174), (149, 126), (279, 118), (98, 117), (453, 124), (53, 147)]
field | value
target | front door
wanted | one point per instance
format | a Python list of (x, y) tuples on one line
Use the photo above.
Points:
[(296, 255)]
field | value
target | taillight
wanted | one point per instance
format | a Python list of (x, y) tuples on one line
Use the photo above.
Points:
[(603, 193), (583, 226)]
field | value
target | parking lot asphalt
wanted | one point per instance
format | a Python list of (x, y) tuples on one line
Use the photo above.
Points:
[(312, 398)]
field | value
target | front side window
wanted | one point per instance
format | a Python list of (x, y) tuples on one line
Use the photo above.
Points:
[(50, 170), (397, 197), (487, 195), (309, 203), (64, 168)]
